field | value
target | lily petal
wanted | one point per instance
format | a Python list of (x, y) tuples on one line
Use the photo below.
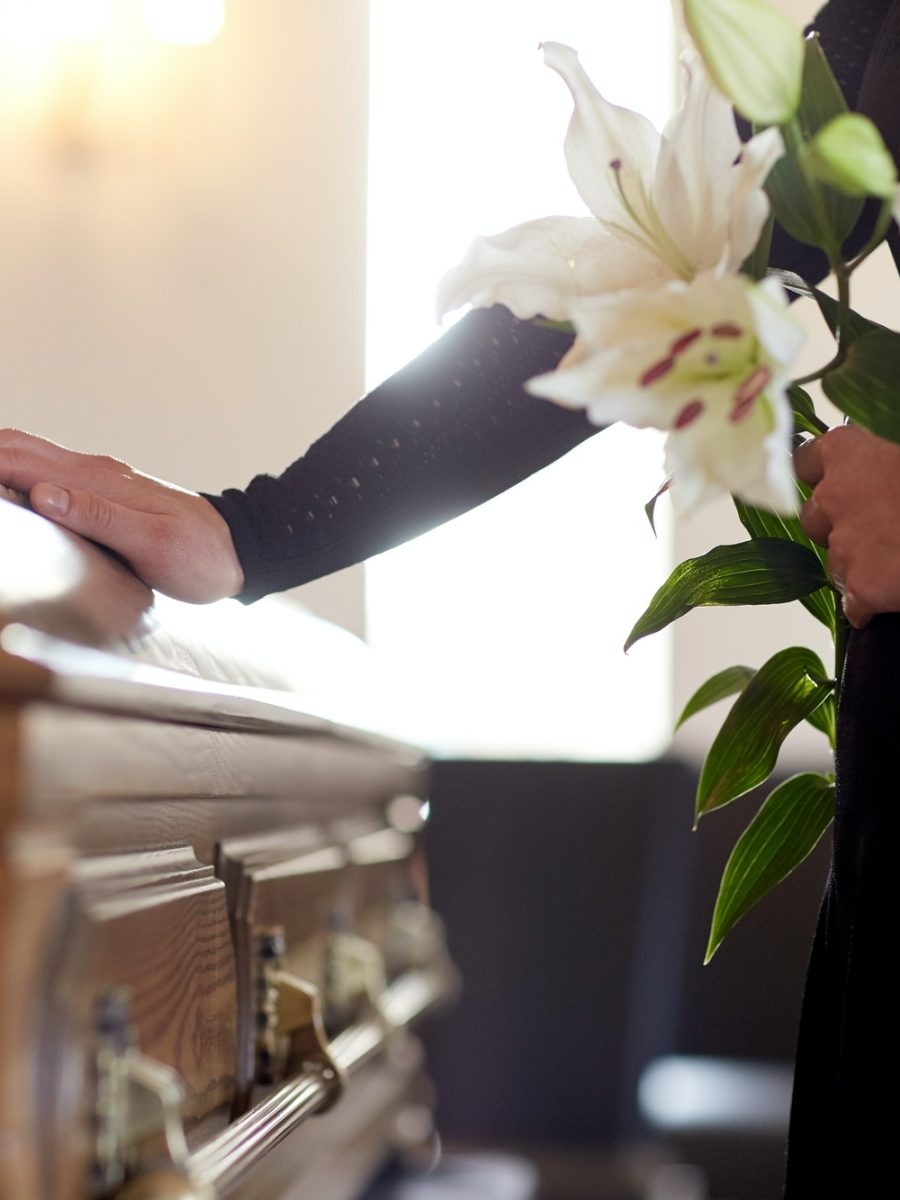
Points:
[(749, 205), (602, 383), (544, 267), (751, 459), (699, 144), (601, 133), (779, 332), (708, 188)]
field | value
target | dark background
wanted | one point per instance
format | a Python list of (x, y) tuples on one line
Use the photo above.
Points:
[(577, 901)]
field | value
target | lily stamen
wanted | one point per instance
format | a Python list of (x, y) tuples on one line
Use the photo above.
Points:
[(688, 414), (747, 393), (657, 371), (656, 237), (685, 341)]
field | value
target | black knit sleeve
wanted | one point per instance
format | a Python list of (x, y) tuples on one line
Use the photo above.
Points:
[(450, 430)]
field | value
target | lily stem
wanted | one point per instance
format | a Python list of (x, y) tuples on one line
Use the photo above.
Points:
[(879, 233), (795, 140)]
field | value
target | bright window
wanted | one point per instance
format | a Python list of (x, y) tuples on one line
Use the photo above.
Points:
[(506, 626)]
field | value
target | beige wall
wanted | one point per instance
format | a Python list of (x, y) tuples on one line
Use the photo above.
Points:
[(183, 264)]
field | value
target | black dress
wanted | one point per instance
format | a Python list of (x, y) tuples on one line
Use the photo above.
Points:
[(453, 429), (846, 1102)]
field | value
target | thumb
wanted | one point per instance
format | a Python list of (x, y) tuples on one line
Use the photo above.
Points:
[(855, 611), (87, 513)]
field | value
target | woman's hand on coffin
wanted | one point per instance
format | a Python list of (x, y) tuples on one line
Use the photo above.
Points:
[(173, 539), (854, 510)]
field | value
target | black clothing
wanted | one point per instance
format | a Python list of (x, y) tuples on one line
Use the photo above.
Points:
[(844, 1118), (450, 430), (455, 428)]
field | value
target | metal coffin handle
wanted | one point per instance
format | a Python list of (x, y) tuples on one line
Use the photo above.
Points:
[(219, 1166)]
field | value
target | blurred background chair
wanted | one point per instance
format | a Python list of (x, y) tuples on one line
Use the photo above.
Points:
[(589, 1036)]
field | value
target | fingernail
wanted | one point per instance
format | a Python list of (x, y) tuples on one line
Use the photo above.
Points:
[(51, 499)]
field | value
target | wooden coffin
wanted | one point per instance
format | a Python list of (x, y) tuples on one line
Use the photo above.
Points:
[(214, 931)]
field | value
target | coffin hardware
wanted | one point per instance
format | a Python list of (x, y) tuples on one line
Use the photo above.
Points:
[(228, 1160), (416, 938), (138, 1102), (356, 978), (291, 1036)]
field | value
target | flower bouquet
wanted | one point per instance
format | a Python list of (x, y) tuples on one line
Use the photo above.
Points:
[(682, 323)]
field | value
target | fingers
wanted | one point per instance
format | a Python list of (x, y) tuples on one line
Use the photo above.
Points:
[(808, 463), (91, 515), (26, 460), (814, 522), (864, 581), (172, 538), (857, 613), (810, 469)]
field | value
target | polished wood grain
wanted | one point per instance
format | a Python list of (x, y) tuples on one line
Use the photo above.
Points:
[(171, 789), (154, 926), (34, 875)]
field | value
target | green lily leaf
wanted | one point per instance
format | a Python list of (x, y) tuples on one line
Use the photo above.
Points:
[(828, 306), (762, 524), (650, 506), (787, 188), (559, 326), (805, 417), (717, 687), (824, 718), (763, 571), (864, 386), (756, 264), (782, 693), (787, 827)]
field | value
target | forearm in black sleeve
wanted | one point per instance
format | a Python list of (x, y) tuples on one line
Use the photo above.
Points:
[(454, 427), (450, 430)]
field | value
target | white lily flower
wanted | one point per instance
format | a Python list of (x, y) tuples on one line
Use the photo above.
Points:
[(709, 362), (664, 206)]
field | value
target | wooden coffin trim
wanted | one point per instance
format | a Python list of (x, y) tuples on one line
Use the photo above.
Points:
[(35, 665), (77, 627), (224, 1163)]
